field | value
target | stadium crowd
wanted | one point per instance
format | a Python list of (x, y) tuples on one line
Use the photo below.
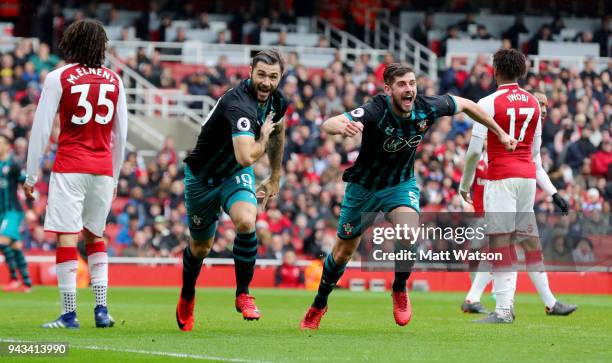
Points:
[(148, 218)]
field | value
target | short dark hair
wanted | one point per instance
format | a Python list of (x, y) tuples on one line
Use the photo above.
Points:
[(84, 42), (394, 70), (270, 57), (510, 64)]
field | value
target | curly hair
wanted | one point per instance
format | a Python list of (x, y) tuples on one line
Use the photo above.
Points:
[(84, 42), (510, 64)]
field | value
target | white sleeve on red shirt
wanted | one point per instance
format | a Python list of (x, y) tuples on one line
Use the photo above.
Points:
[(43, 123), (542, 178), (486, 103), (474, 152), (472, 157), (538, 130), (119, 134)]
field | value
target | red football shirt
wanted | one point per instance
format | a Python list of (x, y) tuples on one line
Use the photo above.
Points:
[(93, 121), (518, 113), (478, 187)]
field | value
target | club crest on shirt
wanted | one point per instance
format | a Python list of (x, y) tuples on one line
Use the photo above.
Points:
[(244, 124), (196, 221), (348, 229), (422, 125)]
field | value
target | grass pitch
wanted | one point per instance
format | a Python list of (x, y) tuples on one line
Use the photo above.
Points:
[(358, 327)]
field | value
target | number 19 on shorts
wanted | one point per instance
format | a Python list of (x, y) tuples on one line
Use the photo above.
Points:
[(245, 180)]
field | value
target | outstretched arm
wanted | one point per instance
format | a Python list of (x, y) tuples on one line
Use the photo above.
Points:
[(478, 114), (341, 125)]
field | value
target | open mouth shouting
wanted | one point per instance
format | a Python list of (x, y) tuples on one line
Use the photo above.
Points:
[(263, 93), (407, 102)]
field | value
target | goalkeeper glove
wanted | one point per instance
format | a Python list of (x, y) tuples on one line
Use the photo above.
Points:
[(561, 203)]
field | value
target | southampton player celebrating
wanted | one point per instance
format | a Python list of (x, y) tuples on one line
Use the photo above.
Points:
[(91, 103), (11, 215), (382, 178), (532, 247), (245, 122)]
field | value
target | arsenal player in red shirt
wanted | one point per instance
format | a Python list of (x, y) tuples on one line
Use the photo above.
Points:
[(90, 100), (510, 191)]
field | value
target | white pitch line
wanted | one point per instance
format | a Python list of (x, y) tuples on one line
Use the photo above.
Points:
[(148, 352), (167, 354)]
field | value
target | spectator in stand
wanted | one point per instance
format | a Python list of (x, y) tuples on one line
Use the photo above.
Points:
[(202, 21), (517, 28), (288, 274), (602, 35), (420, 31), (597, 223), (220, 249), (113, 18), (221, 37), (580, 150), (479, 87), (585, 179), (584, 37), (593, 201), (468, 24), (126, 235), (166, 79), (601, 160), (453, 79), (174, 243), (482, 33), (264, 25), (388, 59), (168, 150), (544, 34), (43, 60), (452, 32), (139, 247), (282, 39), (39, 240), (276, 248), (557, 251), (557, 25), (322, 42), (583, 253)]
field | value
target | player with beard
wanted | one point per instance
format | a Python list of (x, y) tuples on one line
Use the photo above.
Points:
[(382, 178), (244, 124)]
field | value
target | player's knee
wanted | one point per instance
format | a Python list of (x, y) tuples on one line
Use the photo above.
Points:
[(200, 249), (245, 223), (530, 244), (343, 254)]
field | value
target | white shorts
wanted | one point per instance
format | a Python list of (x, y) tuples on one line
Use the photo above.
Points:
[(78, 201), (508, 205)]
